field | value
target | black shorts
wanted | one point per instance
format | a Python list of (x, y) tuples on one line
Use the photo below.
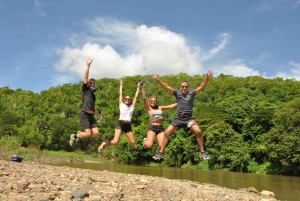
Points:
[(87, 120), (156, 129), (125, 127), (185, 123)]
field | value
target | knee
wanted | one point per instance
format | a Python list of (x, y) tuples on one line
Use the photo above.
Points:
[(198, 133), (167, 134), (149, 145), (88, 133), (95, 133)]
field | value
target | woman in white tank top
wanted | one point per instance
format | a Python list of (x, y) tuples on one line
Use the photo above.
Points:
[(124, 123)]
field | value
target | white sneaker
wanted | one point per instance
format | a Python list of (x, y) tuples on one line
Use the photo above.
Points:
[(101, 147)]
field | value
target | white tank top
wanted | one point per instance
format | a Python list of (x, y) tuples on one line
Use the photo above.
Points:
[(126, 112)]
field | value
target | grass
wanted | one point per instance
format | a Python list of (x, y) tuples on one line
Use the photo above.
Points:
[(9, 146)]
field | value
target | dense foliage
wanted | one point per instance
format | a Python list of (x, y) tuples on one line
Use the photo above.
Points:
[(249, 124)]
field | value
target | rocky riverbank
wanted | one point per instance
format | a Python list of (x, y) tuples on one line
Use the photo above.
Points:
[(32, 181)]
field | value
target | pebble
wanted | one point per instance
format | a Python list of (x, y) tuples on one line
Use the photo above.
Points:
[(33, 181)]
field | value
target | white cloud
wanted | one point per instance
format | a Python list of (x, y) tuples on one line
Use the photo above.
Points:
[(297, 4), (234, 67), (38, 6), (124, 49), (293, 73), (224, 39), (60, 79)]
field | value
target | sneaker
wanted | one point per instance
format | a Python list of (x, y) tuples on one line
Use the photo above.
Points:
[(101, 147), (158, 156), (72, 140), (144, 143), (204, 156)]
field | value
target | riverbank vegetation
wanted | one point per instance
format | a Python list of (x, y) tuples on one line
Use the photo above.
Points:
[(10, 146), (249, 124)]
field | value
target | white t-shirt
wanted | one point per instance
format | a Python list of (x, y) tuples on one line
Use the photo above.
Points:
[(126, 112)]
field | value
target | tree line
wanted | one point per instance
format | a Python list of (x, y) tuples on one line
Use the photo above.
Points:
[(249, 124)]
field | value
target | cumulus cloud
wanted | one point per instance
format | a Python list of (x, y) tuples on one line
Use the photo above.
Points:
[(125, 49)]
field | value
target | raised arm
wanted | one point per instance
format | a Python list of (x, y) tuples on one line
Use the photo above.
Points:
[(174, 105), (136, 94), (145, 99), (87, 69), (164, 85), (121, 92), (203, 85)]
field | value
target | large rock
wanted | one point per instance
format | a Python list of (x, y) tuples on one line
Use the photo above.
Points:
[(80, 193)]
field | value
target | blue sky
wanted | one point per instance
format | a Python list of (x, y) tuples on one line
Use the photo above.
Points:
[(44, 44)]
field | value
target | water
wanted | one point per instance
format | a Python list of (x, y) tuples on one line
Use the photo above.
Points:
[(284, 187)]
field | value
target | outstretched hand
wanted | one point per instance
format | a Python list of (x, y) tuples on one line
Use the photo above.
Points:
[(155, 76), (89, 61), (209, 74)]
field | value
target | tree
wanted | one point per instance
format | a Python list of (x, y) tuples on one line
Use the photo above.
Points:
[(284, 138)]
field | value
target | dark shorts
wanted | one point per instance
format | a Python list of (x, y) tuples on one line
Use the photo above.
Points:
[(185, 123), (87, 120), (125, 127), (156, 129)]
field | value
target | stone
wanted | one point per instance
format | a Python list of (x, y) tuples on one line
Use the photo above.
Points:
[(80, 193)]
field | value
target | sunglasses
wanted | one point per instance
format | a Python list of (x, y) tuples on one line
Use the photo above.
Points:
[(153, 101), (92, 83), (127, 98), (184, 87)]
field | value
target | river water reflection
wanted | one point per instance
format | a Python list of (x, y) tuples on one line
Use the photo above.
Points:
[(284, 187)]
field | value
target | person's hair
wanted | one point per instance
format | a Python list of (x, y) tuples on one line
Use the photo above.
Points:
[(184, 82), (128, 96), (151, 98), (91, 79)]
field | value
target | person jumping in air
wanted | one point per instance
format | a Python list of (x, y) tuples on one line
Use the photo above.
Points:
[(88, 109), (124, 122), (156, 129), (184, 119)]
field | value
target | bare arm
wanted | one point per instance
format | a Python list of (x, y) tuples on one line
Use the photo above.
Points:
[(174, 105), (87, 69), (146, 104), (121, 92), (136, 94), (164, 85), (98, 115), (203, 85)]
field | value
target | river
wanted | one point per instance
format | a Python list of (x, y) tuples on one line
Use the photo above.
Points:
[(284, 187)]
